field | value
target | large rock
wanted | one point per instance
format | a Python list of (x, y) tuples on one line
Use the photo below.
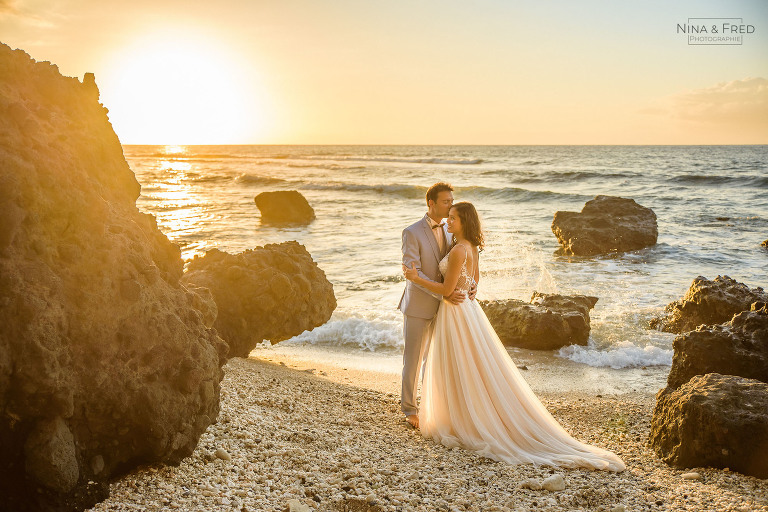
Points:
[(104, 362), (713, 420), (606, 224), (708, 302), (268, 293), (284, 207), (738, 347), (547, 322)]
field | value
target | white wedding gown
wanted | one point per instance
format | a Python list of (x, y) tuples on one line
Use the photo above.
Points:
[(473, 396)]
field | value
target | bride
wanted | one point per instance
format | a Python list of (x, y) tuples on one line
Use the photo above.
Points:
[(473, 394)]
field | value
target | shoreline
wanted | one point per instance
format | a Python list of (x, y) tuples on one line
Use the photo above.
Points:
[(334, 439)]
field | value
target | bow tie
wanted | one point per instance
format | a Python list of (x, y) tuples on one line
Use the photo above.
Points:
[(438, 225)]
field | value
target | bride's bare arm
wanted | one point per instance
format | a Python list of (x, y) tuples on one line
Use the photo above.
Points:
[(456, 259)]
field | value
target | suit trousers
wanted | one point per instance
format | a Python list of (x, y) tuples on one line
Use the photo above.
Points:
[(417, 332)]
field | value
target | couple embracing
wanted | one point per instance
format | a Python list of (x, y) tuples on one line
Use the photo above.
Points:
[(473, 395)]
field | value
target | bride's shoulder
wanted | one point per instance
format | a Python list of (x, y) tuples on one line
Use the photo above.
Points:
[(458, 250)]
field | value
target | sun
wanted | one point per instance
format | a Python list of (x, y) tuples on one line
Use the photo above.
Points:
[(173, 88)]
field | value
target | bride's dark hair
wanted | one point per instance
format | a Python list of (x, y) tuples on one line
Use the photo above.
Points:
[(470, 223)]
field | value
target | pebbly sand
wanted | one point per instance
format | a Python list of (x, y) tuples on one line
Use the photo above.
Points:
[(295, 433)]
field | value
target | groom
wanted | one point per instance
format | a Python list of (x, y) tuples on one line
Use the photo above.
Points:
[(425, 243)]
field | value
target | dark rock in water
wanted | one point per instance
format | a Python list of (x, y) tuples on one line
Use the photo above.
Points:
[(708, 303), (738, 347), (548, 322), (284, 207), (268, 293), (713, 420), (606, 224), (764, 244), (104, 362)]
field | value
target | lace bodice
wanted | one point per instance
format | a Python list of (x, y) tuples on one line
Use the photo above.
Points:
[(465, 280)]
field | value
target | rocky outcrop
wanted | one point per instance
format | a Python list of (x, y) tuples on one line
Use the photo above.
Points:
[(268, 293), (764, 244), (606, 224), (104, 362), (713, 420), (547, 322), (284, 207), (738, 347), (708, 303)]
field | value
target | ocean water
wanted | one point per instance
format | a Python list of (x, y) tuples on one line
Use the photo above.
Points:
[(711, 203)]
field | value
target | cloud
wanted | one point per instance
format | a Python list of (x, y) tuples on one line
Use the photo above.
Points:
[(7, 7), (739, 103)]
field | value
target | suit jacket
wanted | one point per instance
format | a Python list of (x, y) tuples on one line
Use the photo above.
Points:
[(420, 247)]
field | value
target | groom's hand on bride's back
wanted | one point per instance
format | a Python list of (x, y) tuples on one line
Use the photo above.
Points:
[(457, 297)]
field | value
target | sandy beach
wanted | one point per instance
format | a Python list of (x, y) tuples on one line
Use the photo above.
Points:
[(302, 434)]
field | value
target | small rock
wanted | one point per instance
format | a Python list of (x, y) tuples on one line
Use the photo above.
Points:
[(691, 476), (222, 454), (555, 482), (297, 506), (618, 508), (531, 484)]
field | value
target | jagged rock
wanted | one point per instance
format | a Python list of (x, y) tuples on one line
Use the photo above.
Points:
[(738, 347), (764, 244), (203, 301), (606, 224), (708, 302), (268, 293), (104, 362), (284, 207), (713, 420), (548, 322)]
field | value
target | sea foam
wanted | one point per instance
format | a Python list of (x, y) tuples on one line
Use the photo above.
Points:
[(619, 355), (368, 332)]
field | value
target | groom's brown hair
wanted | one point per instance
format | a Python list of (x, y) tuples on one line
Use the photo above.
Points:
[(436, 189)]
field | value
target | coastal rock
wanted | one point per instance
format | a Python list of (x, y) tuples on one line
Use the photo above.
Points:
[(284, 207), (268, 293), (713, 420), (104, 362), (708, 302), (764, 244), (547, 322), (738, 347), (606, 224)]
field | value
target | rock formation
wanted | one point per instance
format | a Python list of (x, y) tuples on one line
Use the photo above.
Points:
[(284, 207), (713, 420), (606, 224), (104, 362), (708, 302), (268, 293), (764, 244), (547, 322), (738, 347)]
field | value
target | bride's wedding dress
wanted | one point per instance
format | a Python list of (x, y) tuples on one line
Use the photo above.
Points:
[(473, 396)]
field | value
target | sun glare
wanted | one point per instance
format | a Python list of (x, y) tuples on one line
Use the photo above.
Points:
[(178, 90)]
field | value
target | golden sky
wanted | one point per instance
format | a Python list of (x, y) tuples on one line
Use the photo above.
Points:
[(408, 72)]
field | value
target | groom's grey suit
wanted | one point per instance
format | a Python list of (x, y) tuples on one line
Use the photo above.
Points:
[(419, 305)]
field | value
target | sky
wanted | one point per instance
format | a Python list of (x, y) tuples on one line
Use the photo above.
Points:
[(409, 71)]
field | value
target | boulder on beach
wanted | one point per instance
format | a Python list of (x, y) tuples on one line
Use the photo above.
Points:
[(268, 293), (738, 347), (708, 303), (606, 224), (713, 420), (547, 322), (105, 363), (284, 207)]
